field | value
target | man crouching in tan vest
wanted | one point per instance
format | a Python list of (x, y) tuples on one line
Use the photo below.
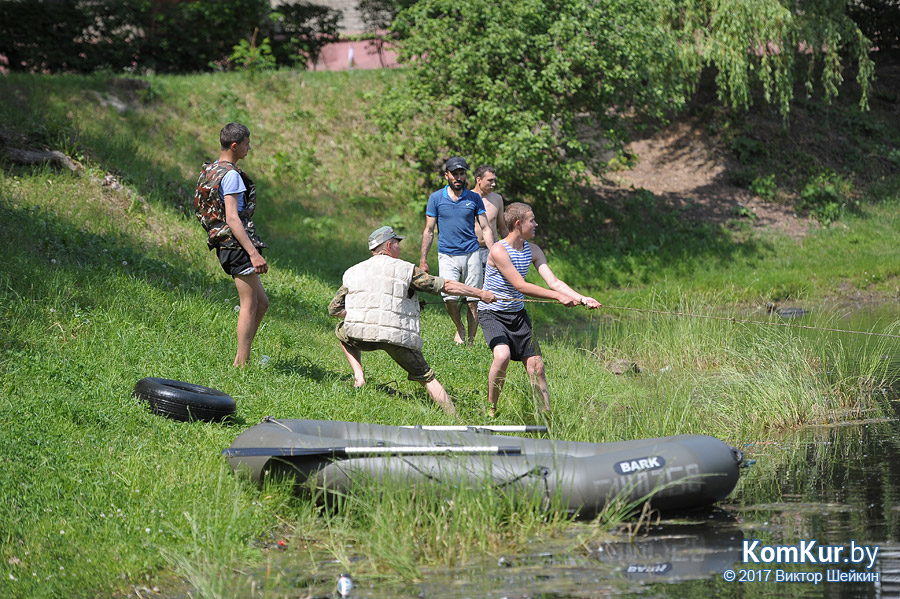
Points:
[(380, 308)]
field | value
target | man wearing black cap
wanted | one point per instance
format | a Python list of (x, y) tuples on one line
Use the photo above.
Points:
[(380, 309), (455, 210)]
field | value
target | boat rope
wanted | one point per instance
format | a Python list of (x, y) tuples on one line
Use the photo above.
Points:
[(541, 471), (500, 298), (731, 319)]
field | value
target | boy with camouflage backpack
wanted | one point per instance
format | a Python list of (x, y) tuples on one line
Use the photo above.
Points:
[(224, 203)]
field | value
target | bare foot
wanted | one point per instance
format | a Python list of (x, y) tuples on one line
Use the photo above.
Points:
[(457, 339), (359, 382), (492, 412)]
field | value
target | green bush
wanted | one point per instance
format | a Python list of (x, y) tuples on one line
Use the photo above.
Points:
[(765, 187), (532, 87), (827, 196), (187, 36), (247, 56)]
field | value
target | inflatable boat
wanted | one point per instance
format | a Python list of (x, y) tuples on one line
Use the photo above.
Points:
[(678, 472)]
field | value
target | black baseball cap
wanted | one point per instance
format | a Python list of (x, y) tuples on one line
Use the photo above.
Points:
[(456, 163)]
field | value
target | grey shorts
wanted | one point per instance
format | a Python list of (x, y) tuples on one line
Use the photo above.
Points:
[(512, 329), (411, 360), (465, 268), (483, 253)]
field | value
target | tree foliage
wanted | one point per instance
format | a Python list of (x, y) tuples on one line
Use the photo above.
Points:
[(162, 36), (540, 88), (379, 15), (300, 30), (66, 35), (879, 20), (773, 44), (178, 37)]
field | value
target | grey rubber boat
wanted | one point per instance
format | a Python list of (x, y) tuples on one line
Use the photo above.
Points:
[(678, 472)]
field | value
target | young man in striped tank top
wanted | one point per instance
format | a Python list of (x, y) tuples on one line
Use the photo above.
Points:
[(507, 328)]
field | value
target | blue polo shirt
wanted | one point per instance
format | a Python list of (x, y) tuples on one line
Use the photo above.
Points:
[(455, 220)]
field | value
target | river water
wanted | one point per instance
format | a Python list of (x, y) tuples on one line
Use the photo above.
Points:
[(838, 486)]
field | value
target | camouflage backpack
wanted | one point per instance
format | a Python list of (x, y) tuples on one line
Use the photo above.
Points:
[(210, 209)]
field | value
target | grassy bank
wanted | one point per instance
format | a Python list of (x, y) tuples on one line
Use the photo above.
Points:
[(105, 284)]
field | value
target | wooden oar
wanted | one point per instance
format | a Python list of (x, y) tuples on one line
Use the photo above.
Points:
[(350, 452), (496, 428)]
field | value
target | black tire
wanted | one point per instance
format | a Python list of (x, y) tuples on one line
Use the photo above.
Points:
[(184, 401)]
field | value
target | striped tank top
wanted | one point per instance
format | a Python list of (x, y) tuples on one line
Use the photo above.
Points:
[(495, 282)]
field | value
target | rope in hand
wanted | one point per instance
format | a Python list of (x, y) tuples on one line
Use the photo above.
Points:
[(500, 298), (728, 318)]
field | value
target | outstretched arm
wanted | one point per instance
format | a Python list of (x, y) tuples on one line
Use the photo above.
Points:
[(540, 261), (504, 264), (452, 287), (422, 281)]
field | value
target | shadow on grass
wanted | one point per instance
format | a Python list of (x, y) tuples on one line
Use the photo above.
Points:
[(235, 420), (394, 391), (614, 238), (305, 368), (43, 119), (46, 241)]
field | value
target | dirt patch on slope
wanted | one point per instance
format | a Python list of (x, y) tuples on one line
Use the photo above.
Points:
[(686, 168), (696, 173)]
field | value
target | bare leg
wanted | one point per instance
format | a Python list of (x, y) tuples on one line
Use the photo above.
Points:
[(440, 397), (254, 304), (535, 367), (354, 356), (453, 311), (497, 376), (472, 317)]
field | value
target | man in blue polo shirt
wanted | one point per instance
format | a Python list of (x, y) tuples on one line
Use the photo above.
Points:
[(454, 210)]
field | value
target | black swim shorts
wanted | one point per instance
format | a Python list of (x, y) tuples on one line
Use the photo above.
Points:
[(512, 329), (235, 261)]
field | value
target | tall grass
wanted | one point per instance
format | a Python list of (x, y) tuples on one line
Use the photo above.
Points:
[(213, 541), (708, 374), (398, 529)]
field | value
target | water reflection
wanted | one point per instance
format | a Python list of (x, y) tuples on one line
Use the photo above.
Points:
[(671, 552), (675, 552)]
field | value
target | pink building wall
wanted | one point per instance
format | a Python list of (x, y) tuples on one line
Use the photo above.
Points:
[(347, 55)]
